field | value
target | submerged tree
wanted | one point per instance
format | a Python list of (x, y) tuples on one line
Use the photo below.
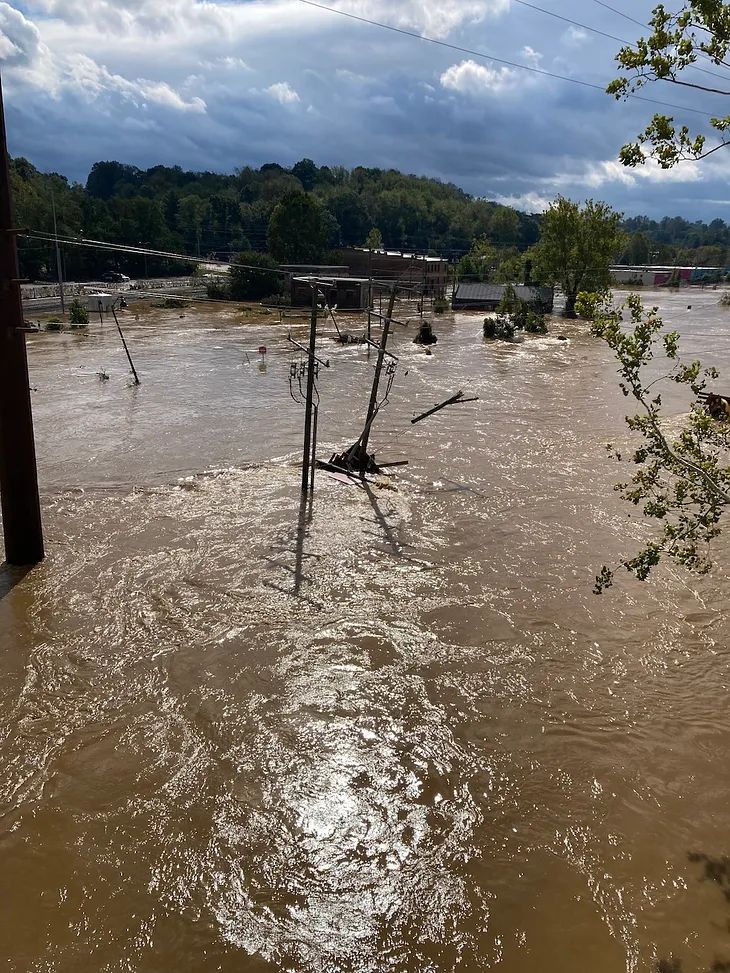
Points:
[(577, 247), (680, 476), (515, 314)]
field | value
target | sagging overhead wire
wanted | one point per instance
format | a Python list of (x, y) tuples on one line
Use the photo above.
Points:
[(498, 60)]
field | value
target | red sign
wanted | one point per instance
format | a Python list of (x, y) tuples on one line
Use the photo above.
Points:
[(262, 350)]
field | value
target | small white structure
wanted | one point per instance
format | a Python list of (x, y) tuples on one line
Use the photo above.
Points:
[(101, 301)]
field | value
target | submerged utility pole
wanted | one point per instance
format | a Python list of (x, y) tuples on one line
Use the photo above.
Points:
[(370, 293), (58, 253), (373, 404), (308, 458), (18, 472), (129, 357)]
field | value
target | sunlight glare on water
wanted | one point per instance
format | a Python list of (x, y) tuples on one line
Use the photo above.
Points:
[(392, 730)]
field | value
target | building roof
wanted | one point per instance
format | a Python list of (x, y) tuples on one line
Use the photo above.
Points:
[(399, 253), (493, 293), (656, 269), (329, 279), (337, 269)]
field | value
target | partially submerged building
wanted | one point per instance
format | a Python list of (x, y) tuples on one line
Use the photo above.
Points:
[(346, 293), (655, 276), (409, 269), (315, 270), (486, 297)]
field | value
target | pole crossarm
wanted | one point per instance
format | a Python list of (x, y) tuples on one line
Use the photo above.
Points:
[(457, 399), (324, 364)]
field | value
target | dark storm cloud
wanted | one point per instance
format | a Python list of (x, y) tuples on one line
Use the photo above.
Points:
[(215, 86)]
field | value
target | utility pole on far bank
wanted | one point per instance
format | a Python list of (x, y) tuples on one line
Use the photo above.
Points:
[(21, 508), (58, 253)]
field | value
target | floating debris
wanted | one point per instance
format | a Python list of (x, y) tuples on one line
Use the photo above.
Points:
[(425, 335)]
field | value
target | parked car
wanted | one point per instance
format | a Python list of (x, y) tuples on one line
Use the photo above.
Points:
[(114, 277)]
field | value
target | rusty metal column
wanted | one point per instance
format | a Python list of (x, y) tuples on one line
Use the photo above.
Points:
[(21, 508)]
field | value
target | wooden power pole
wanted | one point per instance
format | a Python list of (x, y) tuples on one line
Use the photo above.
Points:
[(373, 404), (21, 507), (309, 405)]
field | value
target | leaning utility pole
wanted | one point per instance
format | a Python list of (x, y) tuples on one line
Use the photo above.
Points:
[(21, 507), (307, 458), (58, 253), (373, 404)]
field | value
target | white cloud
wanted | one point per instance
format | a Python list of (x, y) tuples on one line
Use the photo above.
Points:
[(283, 93), (163, 94), (226, 64), (471, 78), (353, 78), (83, 76), (433, 19), (147, 19), (531, 202), (574, 36), (20, 40), (532, 57), (598, 174)]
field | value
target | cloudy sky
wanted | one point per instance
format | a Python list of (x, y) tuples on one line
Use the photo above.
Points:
[(226, 83)]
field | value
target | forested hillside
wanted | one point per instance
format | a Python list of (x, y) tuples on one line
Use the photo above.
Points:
[(205, 214), (674, 240)]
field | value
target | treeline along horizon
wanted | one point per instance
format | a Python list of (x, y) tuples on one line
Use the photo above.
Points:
[(206, 213)]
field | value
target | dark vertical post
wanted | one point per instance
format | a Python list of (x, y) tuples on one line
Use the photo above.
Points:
[(58, 254), (310, 391), (370, 293), (373, 404), (18, 472), (313, 462), (129, 357)]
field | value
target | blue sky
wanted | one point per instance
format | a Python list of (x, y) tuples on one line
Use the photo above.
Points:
[(219, 85)]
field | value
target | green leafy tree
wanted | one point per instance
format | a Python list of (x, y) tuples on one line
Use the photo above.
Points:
[(513, 266), (504, 226), (352, 215), (577, 247), (374, 239), (297, 233), (306, 172), (254, 276), (698, 29), (680, 478), (481, 263), (78, 313), (514, 314)]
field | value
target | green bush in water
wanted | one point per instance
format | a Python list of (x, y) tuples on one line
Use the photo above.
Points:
[(441, 305), (78, 313)]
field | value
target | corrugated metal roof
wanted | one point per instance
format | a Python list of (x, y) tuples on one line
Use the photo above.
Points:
[(493, 293), (479, 292)]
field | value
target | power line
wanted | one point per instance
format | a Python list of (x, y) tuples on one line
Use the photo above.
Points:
[(497, 60), (620, 13), (638, 23), (574, 23)]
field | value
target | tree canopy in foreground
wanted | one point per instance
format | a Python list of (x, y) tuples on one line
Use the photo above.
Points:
[(681, 50)]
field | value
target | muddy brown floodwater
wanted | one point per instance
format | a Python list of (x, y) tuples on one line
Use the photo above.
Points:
[(395, 732)]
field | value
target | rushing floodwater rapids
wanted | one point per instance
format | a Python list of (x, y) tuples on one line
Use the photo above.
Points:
[(395, 731)]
